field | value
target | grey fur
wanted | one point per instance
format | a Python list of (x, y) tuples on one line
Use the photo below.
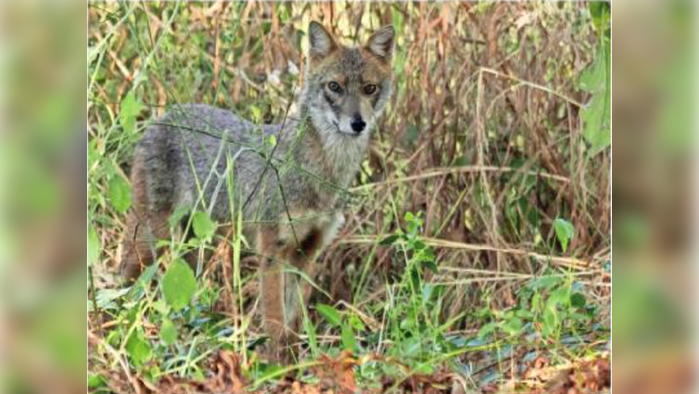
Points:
[(180, 150), (381, 42), (321, 42)]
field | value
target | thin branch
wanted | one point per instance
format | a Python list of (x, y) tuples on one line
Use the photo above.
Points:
[(440, 171), (532, 85), (442, 243)]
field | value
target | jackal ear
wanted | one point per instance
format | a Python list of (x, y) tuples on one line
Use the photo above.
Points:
[(381, 42), (321, 43)]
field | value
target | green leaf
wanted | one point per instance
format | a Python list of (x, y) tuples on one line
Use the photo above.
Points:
[(256, 114), (105, 297), (513, 326), (161, 307), (179, 285), (139, 349), (593, 78), (390, 240), (431, 265), (424, 369), (550, 321), (146, 277), (168, 332), (356, 323), (407, 323), (524, 314), (564, 232), (578, 300), (95, 381), (130, 108), (330, 314), (93, 245), (579, 317), (560, 296), (595, 115), (595, 118), (410, 347), (544, 282), (204, 227), (120, 193), (487, 329), (349, 342), (414, 223)]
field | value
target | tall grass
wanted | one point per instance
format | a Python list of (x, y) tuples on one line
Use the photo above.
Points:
[(478, 228)]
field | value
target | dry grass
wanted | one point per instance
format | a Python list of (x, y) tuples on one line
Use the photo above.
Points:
[(483, 135)]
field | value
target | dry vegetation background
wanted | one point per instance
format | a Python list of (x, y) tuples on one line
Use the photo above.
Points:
[(483, 138)]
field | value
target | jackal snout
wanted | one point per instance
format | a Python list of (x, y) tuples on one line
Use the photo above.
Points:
[(358, 124)]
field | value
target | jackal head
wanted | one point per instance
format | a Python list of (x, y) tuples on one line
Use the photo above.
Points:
[(346, 88)]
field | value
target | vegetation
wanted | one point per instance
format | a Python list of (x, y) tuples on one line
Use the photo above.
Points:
[(476, 249)]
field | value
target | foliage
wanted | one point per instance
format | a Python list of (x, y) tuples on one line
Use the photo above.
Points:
[(597, 80), (179, 285), (477, 230), (564, 232)]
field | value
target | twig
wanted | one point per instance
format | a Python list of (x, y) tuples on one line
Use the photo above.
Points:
[(269, 164), (441, 243), (93, 297), (439, 171), (533, 85)]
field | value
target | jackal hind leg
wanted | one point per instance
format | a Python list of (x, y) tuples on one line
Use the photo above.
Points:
[(139, 245), (143, 229)]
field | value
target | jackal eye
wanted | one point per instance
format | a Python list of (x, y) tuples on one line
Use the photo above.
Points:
[(334, 86), (369, 89)]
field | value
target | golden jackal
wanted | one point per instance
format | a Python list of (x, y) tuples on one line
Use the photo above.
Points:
[(288, 194)]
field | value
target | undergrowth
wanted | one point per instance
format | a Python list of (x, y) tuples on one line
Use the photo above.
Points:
[(477, 239)]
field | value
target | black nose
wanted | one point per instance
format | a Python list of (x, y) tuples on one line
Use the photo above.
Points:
[(358, 125)]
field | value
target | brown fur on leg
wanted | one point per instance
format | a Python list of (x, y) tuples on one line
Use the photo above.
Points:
[(279, 290), (143, 228), (300, 256), (140, 243), (272, 292), (135, 249)]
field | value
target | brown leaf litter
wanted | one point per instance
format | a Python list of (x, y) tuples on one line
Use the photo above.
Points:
[(336, 376)]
